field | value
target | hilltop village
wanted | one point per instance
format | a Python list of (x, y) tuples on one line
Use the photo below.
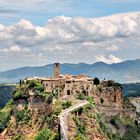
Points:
[(68, 107), (70, 85), (107, 94)]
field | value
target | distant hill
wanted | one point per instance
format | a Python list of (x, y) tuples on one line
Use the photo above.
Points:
[(127, 71), (5, 94), (131, 90)]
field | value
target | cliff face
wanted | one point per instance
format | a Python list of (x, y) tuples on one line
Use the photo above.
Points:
[(111, 122), (30, 113), (109, 99), (28, 117), (108, 95)]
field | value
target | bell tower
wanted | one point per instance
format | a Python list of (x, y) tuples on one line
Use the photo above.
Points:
[(56, 70)]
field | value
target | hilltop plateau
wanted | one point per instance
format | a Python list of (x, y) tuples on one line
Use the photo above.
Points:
[(34, 114)]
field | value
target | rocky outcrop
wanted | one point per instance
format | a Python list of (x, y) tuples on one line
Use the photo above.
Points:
[(110, 101)]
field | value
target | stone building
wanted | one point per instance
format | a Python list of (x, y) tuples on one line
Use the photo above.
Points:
[(78, 84)]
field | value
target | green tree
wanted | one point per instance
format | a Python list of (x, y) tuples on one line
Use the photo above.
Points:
[(96, 81)]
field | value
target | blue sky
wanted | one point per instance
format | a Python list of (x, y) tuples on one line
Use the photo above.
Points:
[(39, 32), (39, 11)]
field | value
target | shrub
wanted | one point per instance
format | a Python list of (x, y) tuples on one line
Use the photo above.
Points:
[(66, 104), (9, 104), (4, 119), (130, 134), (129, 126), (45, 134), (57, 108), (81, 128), (55, 93), (110, 84), (47, 97), (89, 114), (102, 126), (80, 137), (16, 94), (115, 121), (80, 96), (138, 129), (23, 114), (116, 137), (87, 107), (109, 132), (75, 120), (20, 115), (35, 85), (117, 85), (50, 98), (80, 110), (99, 89), (2, 126), (18, 137), (91, 100)]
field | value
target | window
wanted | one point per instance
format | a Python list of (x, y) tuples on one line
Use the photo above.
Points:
[(68, 92)]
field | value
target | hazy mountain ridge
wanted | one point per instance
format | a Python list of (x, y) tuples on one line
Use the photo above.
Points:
[(127, 71)]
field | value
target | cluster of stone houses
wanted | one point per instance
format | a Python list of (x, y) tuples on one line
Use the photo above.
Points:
[(74, 84), (66, 84)]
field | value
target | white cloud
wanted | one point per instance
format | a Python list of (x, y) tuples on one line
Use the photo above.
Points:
[(63, 29), (73, 39), (39, 57), (15, 49), (55, 48), (1, 27), (88, 44), (109, 60), (112, 48), (25, 24)]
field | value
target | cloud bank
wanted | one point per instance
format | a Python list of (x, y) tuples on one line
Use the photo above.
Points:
[(67, 39)]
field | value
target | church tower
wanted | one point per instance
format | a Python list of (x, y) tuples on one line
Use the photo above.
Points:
[(56, 70)]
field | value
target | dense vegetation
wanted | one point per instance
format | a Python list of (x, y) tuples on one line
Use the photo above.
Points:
[(5, 115)]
